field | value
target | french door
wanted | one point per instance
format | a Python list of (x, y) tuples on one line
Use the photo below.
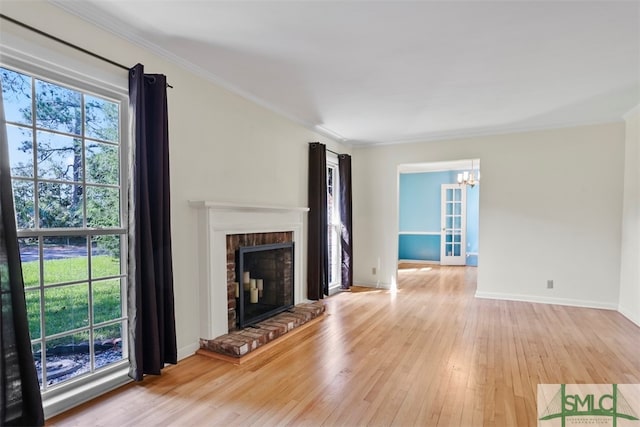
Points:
[(453, 224)]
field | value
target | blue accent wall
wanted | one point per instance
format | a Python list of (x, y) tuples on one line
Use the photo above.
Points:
[(420, 247), (419, 212)]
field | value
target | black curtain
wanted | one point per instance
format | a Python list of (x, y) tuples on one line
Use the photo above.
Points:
[(151, 299), (20, 400), (344, 204), (317, 245)]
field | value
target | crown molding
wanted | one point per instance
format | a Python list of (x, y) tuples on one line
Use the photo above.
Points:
[(634, 110), (89, 13), (474, 133), (92, 15)]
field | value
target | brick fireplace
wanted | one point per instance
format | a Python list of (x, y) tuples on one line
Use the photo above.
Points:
[(222, 227), (234, 242)]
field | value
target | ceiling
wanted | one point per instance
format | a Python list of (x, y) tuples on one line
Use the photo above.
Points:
[(369, 72)]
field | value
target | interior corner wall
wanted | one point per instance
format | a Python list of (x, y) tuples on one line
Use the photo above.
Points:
[(222, 146), (630, 255), (550, 208)]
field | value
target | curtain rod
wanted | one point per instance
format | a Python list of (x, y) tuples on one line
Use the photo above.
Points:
[(66, 43)]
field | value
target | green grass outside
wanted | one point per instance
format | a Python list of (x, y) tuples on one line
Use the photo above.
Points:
[(67, 307)]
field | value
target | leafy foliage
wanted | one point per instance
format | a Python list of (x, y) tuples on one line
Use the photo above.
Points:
[(76, 139)]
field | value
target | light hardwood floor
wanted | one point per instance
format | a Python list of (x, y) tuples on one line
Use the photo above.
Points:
[(429, 354)]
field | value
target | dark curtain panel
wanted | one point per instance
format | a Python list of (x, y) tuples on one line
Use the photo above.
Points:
[(152, 319), (317, 245), (20, 401), (346, 237)]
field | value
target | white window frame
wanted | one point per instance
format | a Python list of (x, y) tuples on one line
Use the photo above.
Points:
[(20, 55), (335, 224)]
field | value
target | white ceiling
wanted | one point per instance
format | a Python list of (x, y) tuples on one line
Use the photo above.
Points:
[(395, 71)]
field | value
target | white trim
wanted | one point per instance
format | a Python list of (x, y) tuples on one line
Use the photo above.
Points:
[(74, 396), (476, 133), (444, 166), (187, 350), (634, 110), (546, 300), (243, 207), (419, 261), (216, 220), (18, 52), (633, 317), (90, 14), (420, 233), (376, 285)]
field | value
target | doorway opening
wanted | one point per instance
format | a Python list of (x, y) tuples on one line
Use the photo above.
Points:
[(438, 215)]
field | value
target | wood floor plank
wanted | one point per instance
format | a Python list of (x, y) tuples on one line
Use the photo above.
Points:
[(426, 354)]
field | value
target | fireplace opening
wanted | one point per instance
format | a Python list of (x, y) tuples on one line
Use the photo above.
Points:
[(264, 277)]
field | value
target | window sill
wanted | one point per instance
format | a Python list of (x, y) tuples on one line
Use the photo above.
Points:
[(55, 402)]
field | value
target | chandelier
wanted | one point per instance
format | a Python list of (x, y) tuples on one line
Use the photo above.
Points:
[(468, 177)]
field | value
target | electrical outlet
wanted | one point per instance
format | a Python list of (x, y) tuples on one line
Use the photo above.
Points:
[(373, 271), (549, 284)]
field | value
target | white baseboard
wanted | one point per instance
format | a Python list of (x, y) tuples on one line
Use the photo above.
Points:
[(547, 300), (418, 261), (188, 350), (634, 317), (376, 285)]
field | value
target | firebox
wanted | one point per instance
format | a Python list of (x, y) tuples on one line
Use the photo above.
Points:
[(264, 277)]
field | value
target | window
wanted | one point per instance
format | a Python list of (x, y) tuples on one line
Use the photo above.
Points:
[(334, 225), (66, 150)]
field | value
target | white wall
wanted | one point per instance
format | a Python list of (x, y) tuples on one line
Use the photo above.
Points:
[(630, 257), (550, 208), (223, 147)]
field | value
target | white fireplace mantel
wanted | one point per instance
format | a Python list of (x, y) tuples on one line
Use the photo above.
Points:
[(216, 220)]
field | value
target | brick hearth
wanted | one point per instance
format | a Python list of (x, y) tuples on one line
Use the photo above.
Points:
[(239, 343)]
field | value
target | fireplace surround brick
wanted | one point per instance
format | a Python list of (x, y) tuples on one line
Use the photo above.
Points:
[(234, 241)]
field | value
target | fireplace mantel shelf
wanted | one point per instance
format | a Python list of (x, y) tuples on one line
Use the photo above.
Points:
[(240, 207)]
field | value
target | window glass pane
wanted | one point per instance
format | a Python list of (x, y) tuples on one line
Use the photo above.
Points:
[(101, 119), (24, 203), (105, 256), (37, 357), (65, 259), (58, 108), (16, 94), (108, 344), (29, 255), (59, 157), (32, 297), (449, 222), (458, 208), (456, 250), (59, 205), (67, 357), (457, 222), (102, 163), (20, 150), (106, 300), (65, 308), (103, 207)]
